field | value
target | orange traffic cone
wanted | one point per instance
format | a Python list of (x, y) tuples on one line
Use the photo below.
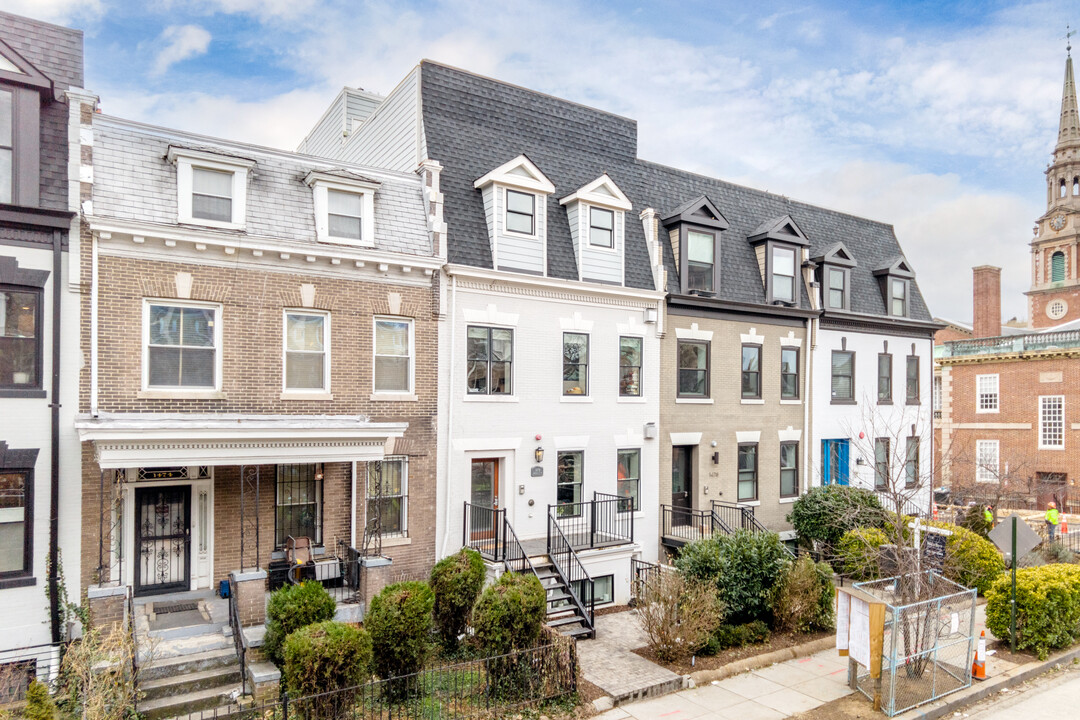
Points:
[(935, 511), (1064, 524), (978, 668)]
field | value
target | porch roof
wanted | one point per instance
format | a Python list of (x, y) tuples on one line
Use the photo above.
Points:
[(123, 440)]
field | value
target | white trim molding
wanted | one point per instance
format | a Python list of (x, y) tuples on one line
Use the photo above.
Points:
[(518, 173), (685, 438), (490, 316), (752, 338), (693, 333), (748, 436)]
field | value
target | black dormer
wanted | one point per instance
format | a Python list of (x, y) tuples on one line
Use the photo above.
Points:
[(778, 244), (694, 230), (894, 279), (834, 276)]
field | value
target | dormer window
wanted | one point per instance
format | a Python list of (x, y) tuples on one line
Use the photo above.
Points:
[(898, 298), (782, 276), (345, 214), (597, 217), (7, 147), (211, 194), (601, 228), (895, 280), (521, 212), (700, 251), (835, 276), (694, 229), (836, 289), (211, 188), (344, 204), (24, 91), (779, 260), (515, 205)]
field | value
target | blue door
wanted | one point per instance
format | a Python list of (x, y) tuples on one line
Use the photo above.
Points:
[(834, 462)]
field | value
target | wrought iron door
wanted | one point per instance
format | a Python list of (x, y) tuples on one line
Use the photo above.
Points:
[(162, 539)]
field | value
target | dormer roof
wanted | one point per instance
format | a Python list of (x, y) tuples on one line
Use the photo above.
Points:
[(341, 176), (699, 211), (781, 229), (520, 172), (602, 191), (897, 267), (837, 254), (14, 68)]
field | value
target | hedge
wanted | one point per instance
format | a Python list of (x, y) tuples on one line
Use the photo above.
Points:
[(456, 581), (291, 608), (970, 559), (510, 614), (1047, 607), (325, 656), (858, 553), (399, 621), (825, 513)]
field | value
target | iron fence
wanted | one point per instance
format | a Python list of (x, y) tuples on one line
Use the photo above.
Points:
[(21, 666), (600, 522), (483, 531), (642, 573), (928, 644), (485, 688), (238, 638), (1069, 541)]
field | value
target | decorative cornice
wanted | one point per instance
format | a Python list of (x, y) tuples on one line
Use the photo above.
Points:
[(1009, 357)]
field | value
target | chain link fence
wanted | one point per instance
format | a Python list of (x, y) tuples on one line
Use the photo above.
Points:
[(929, 640)]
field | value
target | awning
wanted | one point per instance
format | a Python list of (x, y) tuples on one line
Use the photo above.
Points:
[(126, 440)]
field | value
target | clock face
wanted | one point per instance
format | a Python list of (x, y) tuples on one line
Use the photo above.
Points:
[(1058, 222)]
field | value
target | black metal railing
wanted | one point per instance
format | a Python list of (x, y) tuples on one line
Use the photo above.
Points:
[(21, 666), (688, 525), (1069, 541), (482, 531), (515, 559), (737, 516), (600, 522), (134, 638), (642, 573), (238, 638), (573, 573)]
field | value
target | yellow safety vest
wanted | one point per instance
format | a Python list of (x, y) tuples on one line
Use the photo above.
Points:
[(1052, 516)]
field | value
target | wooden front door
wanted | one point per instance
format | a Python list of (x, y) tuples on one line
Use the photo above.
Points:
[(162, 539), (484, 495)]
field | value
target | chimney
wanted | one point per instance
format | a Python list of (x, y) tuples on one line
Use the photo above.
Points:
[(987, 301)]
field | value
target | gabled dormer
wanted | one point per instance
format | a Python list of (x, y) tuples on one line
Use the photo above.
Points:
[(779, 245), (515, 203), (694, 231), (834, 276), (597, 217), (23, 91), (894, 279)]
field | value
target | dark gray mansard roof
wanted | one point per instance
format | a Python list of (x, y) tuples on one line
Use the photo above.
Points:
[(474, 124)]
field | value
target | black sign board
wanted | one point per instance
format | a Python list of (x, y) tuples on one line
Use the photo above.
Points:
[(163, 473), (538, 471), (933, 550)]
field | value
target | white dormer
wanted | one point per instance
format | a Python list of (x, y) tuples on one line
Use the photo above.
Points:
[(211, 187), (515, 203), (344, 205), (596, 214)]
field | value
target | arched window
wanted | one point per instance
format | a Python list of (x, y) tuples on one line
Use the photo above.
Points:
[(1057, 267), (1061, 192)]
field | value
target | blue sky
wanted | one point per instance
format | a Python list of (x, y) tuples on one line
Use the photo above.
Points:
[(936, 117)]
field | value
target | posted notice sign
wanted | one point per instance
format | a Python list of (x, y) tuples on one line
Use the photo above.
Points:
[(860, 628)]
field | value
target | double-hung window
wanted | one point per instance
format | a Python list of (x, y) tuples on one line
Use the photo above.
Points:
[(843, 376), (884, 378), (569, 477), (20, 338), (987, 458), (575, 364), (789, 469), (298, 503), (630, 366), (783, 274), (911, 462), (913, 380), (344, 215), (693, 369), (986, 388), (1051, 422), (211, 194), (748, 472), (7, 145), (898, 297), (182, 346), (490, 361), (882, 447), (211, 187), (601, 227), (629, 487), (836, 291), (789, 373), (390, 504), (393, 355), (520, 212), (751, 372), (700, 254), (16, 522), (307, 351)]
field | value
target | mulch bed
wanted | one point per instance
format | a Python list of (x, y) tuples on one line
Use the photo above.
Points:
[(1020, 657), (777, 641)]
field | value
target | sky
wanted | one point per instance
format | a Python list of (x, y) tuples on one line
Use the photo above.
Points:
[(936, 117)]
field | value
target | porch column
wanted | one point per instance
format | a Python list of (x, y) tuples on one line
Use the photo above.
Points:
[(107, 606), (249, 589)]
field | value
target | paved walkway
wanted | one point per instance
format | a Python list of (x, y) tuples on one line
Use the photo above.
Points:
[(608, 663)]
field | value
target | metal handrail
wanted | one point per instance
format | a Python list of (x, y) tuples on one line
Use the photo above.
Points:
[(692, 524), (134, 648), (595, 523), (567, 563), (238, 638), (515, 559), (640, 572), (743, 515), (483, 530)]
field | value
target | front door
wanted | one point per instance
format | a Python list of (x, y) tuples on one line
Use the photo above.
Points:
[(484, 495), (834, 462), (682, 483), (162, 539)]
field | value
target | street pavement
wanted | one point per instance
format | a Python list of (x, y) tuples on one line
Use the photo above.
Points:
[(1053, 695)]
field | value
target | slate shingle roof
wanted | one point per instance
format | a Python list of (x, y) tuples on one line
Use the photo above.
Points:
[(474, 124)]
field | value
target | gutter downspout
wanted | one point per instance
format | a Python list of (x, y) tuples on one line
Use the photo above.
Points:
[(93, 325), (450, 414), (352, 517), (54, 485)]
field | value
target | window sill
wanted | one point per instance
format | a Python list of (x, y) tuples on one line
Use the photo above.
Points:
[(752, 401), (393, 397), (348, 242), (694, 401), (200, 222), (179, 394), (17, 582), (481, 398), (751, 503), (786, 500), (843, 402), (295, 395), (791, 402), (632, 399), (575, 399), (396, 541), (977, 412), (1051, 447), (912, 402), (17, 393)]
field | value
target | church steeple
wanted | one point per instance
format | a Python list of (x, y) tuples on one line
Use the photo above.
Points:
[(1069, 130)]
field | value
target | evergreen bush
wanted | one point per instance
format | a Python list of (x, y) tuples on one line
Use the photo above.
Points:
[(39, 704), (730, 636), (325, 657), (291, 608), (804, 599), (510, 614), (1047, 607), (971, 560), (399, 621), (456, 581), (825, 513), (975, 520), (858, 553)]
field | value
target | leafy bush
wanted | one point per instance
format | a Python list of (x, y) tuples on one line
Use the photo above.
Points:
[(678, 614), (39, 706), (456, 581), (729, 636), (1047, 607), (971, 560), (399, 621), (858, 552), (975, 520), (291, 608), (323, 657), (744, 568), (825, 513), (804, 600), (510, 614)]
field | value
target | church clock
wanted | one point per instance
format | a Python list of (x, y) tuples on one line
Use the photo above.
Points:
[(1057, 222)]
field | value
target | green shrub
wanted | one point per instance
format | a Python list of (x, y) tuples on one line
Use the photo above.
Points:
[(39, 705), (825, 513), (291, 608), (804, 599), (971, 560), (729, 636), (858, 552), (1047, 607), (323, 657), (744, 567), (975, 520), (456, 581), (510, 614), (399, 621)]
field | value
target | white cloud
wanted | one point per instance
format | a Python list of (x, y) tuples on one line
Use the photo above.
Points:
[(181, 42), (56, 11)]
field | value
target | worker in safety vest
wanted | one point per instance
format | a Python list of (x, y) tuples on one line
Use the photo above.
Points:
[(988, 514), (1052, 520)]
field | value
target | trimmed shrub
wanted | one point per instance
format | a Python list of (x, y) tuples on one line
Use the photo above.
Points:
[(804, 600), (324, 657), (39, 705), (971, 560), (744, 568), (510, 614), (291, 608), (729, 636), (678, 614), (456, 581), (1047, 607), (399, 621), (825, 513), (858, 552)]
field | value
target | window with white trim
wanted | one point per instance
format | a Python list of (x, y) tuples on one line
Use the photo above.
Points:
[(7, 145), (937, 393), (986, 391), (489, 360), (601, 227), (629, 480), (344, 215), (211, 188), (520, 212), (987, 459), (393, 506), (782, 283), (344, 208), (1051, 422), (307, 351), (181, 346), (393, 355), (211, 194)]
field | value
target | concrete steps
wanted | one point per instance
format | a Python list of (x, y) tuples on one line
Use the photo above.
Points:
[(190, 678)]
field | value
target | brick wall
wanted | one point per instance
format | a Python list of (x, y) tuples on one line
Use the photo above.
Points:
[(987, 301)]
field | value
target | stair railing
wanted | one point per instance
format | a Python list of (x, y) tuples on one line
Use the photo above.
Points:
[(737, 516), (567, 563), (238, 639), (689, 525), (483, 530)]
